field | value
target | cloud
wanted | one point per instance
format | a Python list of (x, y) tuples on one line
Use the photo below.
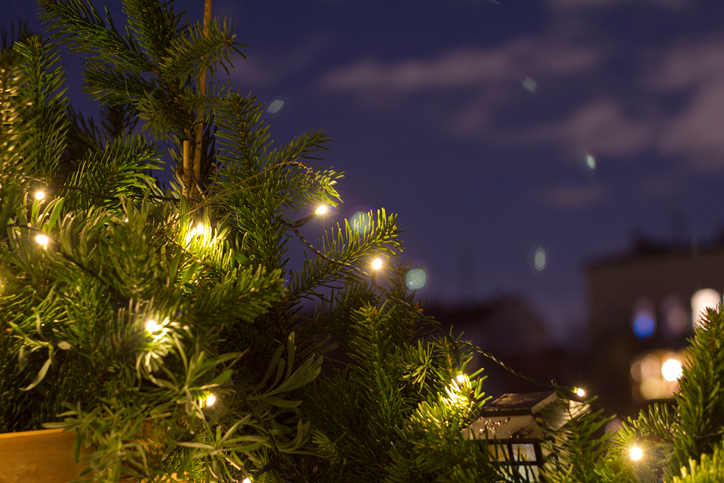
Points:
[(572, 197), (599, 127), (278, 67), (462, 68), (689, 65), (580, 4), (697, 131)]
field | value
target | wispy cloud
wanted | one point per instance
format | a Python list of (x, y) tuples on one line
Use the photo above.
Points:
[(573, 197), (463, 68), (601, 127), (271, 67), (588, 4)]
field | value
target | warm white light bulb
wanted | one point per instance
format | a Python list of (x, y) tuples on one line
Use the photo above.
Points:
[(42, 240), (152, 326), (377, 264), (210, 400), (636, 453), (461, 378), (580, 392), (246, 480), (322, 209), (39, 195)]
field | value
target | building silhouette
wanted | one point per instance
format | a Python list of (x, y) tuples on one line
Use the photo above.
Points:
[(643, 307)]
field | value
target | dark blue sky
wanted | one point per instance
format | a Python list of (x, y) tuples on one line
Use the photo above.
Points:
[(498, 128)]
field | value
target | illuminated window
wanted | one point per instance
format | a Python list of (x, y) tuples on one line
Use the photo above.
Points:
[(656, 374), (675, 316), (702, 299), (643, 321)]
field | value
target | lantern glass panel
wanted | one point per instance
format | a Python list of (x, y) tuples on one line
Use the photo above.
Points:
[(524, 452), (498, 452)]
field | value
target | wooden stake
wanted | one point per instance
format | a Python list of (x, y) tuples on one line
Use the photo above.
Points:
[(198, 142)]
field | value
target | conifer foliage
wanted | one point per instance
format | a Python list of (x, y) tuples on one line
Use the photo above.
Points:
[(171, 329)]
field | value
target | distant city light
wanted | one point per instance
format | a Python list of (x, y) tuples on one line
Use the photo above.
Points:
[(644, 321), (636, 453), (702, 299), (322, 209), (540, 259), (275, 106), (671, 370), (377, 264), (416, 278)]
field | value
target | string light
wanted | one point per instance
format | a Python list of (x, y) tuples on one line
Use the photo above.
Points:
[(636, 453), (153, 326), (377, 264), (39, 195), (42, 240), (460, 378), (322, 209), (246, 480), (580, 392), (210, 400)]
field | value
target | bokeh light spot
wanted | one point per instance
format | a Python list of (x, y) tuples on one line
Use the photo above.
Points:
[(539, 260), (416, 278), (636, 453), (377, 264), (275, 106), (529, 84), (360, 223), (590, 162), (671, 370), (643, 325), (702, 299)]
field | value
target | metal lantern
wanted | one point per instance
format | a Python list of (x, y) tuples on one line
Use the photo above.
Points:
[(512, 426)]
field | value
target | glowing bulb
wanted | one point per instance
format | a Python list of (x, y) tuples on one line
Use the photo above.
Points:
[(246, 480), (322, 209), (671, 370), (210, 400), (377, 264), (636, 453), (460, 378), (152, 326), (580, 392), (39, 195), (42, 240)]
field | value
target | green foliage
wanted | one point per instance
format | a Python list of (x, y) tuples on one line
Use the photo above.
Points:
[(142, 304), (710, 469)]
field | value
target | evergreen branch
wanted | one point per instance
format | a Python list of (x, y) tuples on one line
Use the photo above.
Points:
[(44, 105), (83, 30), (186, 56), (154, 25)]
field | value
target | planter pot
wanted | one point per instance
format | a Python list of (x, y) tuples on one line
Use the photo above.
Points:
[(44, 456)]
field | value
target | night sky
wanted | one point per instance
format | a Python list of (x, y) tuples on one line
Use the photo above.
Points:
[(504, 133)]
